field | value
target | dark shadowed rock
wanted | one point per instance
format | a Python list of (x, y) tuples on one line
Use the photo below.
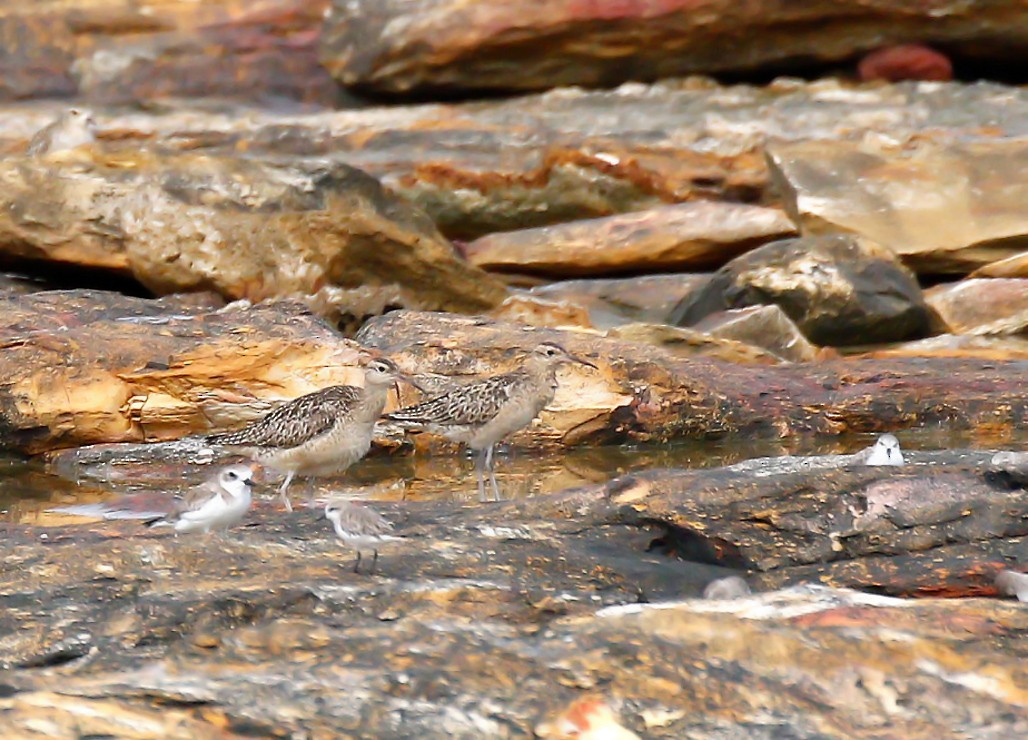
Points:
[(615, 301), (766, 327), (944, 207), (905, 62), (839, 290), (397, 46)]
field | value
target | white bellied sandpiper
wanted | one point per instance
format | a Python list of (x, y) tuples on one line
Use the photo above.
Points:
[(359, 527), (217, 503), (886, 451), (482, 413), (71, 129)]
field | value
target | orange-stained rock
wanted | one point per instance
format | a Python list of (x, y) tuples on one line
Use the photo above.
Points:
[(400, 46)]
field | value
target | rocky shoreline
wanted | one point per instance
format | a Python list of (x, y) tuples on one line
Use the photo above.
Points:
[(262, 193)]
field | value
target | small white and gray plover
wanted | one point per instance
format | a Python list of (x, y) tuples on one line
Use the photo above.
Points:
[(359, 527), (217, 503), (71, 129), (886, 451), (482, 413), (321, 433)]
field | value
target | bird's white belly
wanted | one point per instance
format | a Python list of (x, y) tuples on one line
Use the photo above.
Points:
[(362, 541), (516, 414), (217, 513), (330, 453)]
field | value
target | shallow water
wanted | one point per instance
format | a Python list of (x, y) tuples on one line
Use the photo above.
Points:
[(29, 490)]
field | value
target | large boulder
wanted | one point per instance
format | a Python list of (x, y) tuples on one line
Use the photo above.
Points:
[(325, 233), (398, 46), (839, 290)]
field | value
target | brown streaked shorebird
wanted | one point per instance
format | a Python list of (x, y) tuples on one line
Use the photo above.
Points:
[(482, 413), (359, 527), (72, 128), (321, 433), (217, 503)]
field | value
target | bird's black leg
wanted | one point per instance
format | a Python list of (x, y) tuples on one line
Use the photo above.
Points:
[(357, 565), (374, 561)]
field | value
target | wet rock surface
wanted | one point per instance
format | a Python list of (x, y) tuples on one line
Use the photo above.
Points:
[(486, 619)]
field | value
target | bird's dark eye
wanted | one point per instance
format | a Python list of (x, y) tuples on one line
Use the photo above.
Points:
[(232, 475)]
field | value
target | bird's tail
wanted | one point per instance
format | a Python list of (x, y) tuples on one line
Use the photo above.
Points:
[(226, 438)]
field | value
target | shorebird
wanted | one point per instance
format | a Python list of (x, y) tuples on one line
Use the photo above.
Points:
[(729, 587), (1012, 583), (359, 527), (72, 128), (482, 413), (321, 433), (217, 503), (886, 451)]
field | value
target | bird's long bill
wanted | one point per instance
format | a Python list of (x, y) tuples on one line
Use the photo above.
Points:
[(409, 380), (582, 360)]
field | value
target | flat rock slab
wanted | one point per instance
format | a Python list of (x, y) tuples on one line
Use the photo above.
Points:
[(689, 236), (487, 619), (398, 46), (982, 305), (329, 234), (945, 207), (482, 167)]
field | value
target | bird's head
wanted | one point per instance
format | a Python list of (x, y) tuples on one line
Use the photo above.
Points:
[(236, 479), (551, 353), (380, 371)]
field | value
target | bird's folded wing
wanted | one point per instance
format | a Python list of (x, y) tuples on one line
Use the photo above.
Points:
[(295, 422), (475, 403)]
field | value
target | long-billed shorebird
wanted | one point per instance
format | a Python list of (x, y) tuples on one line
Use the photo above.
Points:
[(482, 413), (359, 527), (321, 433), (72, 128), (217, 503)]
